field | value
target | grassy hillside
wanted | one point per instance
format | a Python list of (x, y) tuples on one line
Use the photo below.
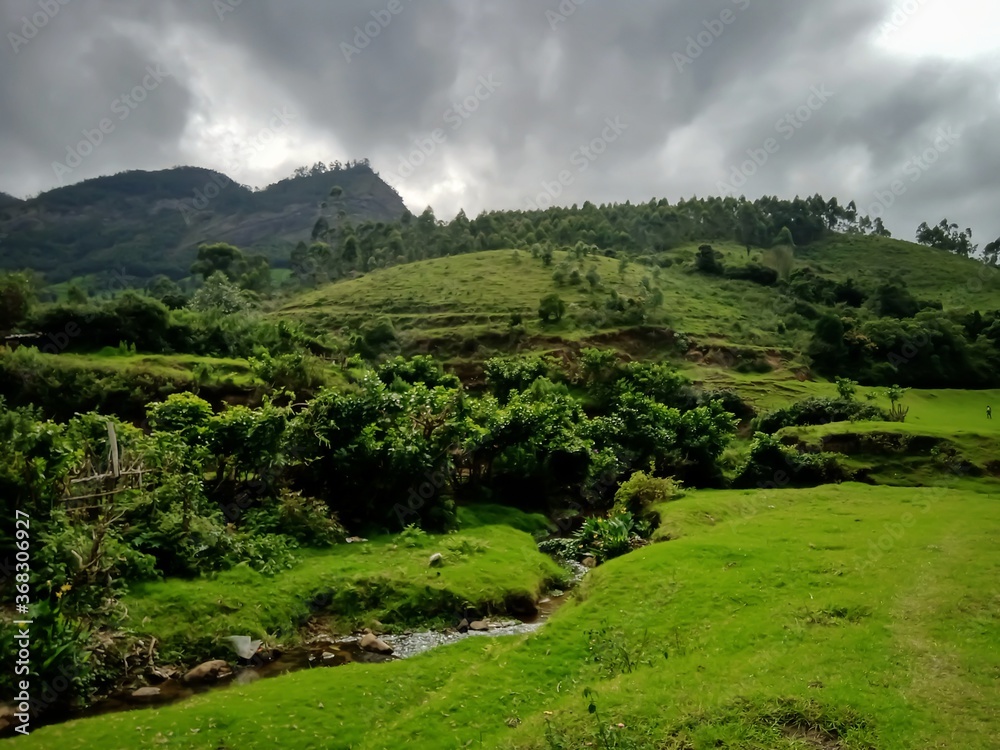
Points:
[(478, 292), (387, 579), (839, 617), (931, 274), (465, 302)]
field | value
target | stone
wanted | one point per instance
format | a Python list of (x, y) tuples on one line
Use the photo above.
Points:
[(463, 626), (7, 718), (589, 562), (146, 692), (209, 671), (479, 626), (372, 643), (437, 560)]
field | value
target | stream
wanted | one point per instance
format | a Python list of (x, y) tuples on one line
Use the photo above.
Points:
[(321, 651)]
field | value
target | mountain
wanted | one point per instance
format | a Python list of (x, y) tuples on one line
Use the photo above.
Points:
[(8, 200), (146, 223)]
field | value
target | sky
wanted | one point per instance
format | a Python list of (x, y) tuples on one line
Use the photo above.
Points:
[(511, 104)]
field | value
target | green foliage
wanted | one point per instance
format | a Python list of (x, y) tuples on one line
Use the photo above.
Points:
[(17, 295), (708, 261), (551, 309), (182, 413), (813, 411), (421, 369), (306, 520), (610, 537), (641, 492), (753, 272), (847, 389), (772, 465), (412, 536), (504, 375), (897, 413), (947, 236), (298, 372), (219, 295)]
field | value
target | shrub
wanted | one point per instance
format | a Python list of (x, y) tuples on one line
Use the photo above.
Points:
[(304, 519), (551, 309), (815, 411), (708, 260), (755, 273), (607, 538), (640, 492), (771, 465), (412, 536)]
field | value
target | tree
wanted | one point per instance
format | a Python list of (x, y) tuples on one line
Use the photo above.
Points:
[(707, 260), (784, 238), (220, 295), (75, 294), (827, 348), (167, 291), (219, 257), (552, 308), (17, 295), (991, 251), (946, 236)]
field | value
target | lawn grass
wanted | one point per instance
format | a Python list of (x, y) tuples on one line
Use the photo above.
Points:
[(388, 578), (850, 615)]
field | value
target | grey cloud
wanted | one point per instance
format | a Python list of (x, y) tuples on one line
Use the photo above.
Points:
[(559, 78)]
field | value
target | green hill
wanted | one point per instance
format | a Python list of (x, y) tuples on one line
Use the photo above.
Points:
[(471, 298), (147, 223)]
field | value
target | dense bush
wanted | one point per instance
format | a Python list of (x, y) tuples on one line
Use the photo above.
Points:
[(641, 492), (815, 411), (753, 272), (773, 465), (306, 520)]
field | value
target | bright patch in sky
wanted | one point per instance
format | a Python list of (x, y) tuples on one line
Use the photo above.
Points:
[(945, 28)]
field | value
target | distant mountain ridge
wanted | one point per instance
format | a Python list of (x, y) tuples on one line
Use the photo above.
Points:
[(8, 200), (146, 223)]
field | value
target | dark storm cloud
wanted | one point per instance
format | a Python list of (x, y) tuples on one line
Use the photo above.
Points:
[(504, 103)]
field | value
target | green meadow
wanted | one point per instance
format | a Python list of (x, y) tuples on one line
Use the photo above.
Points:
[(845, 616)]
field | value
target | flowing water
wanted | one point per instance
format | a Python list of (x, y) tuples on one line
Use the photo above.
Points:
[(321, 652)]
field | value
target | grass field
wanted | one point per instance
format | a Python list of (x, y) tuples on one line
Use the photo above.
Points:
[(839, 617), (386, 579)]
